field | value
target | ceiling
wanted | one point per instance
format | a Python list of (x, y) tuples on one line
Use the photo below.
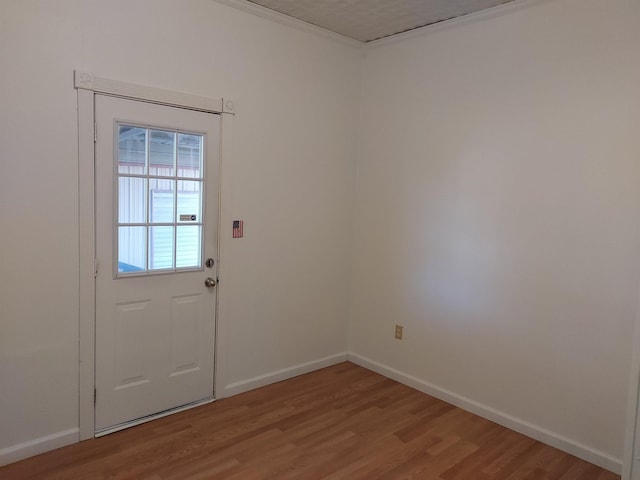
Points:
[(367, 20)]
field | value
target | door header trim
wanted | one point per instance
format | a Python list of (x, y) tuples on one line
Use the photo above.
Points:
[(87, 81)]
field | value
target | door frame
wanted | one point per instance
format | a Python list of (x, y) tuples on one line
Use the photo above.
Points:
[(632, 438), (87, 86)]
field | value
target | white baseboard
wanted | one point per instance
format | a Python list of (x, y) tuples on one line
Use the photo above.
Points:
[(272, 377), (67, 437), (39, 445), (577, 449)]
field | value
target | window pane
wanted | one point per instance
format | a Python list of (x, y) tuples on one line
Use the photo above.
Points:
[(162, 153), (189, 201), (132, 150), (161, 200), (132, 197), (189, 155), (171, 209), (160, 248), (132, 249), (188, 246)]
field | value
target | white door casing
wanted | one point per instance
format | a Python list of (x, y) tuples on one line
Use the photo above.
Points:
[(155, 328), (631, 459), (87, 86)]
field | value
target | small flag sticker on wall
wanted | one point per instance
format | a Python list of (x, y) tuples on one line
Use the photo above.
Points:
[(237, 228)]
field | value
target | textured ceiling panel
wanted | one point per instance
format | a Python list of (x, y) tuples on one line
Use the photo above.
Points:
[(367, 20)]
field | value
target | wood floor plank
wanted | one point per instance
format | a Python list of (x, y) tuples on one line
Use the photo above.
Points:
[(339, 423)]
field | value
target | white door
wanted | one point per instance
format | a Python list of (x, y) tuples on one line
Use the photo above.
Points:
[(156, 246)]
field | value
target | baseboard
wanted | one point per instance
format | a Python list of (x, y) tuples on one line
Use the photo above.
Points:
[(67, 437), (543, 435), (284, 374), (38, 445)]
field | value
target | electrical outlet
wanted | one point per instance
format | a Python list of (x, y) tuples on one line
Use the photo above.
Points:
[(399, 329)]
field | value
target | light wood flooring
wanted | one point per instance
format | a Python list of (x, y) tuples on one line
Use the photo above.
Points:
[(342, 422)]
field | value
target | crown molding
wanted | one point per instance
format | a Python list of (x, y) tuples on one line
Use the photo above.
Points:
[(486, 14), (260, 11)]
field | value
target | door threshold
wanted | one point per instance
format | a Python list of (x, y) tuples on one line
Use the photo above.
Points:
[(148, 418)]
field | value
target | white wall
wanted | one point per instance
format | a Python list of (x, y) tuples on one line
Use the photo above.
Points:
[(497, 201), (291, 180), (498, 214)]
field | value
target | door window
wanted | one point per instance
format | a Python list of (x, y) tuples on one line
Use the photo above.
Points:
[(160, 185)]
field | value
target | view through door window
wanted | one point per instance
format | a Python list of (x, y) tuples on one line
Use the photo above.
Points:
[(160, 178)]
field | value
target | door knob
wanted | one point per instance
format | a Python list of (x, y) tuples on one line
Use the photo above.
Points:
[(209, 282)]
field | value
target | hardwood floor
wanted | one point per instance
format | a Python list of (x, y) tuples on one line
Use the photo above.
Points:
[(342, 422)]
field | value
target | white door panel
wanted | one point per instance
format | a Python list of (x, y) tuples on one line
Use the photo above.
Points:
[(156, 224)]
